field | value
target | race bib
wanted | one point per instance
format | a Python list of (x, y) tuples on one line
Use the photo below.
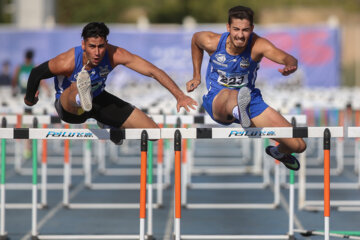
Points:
[(233, 80)]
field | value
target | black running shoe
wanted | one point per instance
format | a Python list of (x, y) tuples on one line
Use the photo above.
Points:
[(288, 160)]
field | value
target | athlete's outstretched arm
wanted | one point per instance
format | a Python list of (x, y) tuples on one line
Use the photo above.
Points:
[(56, 66), (268, 50), (201, 41), (140, 65)]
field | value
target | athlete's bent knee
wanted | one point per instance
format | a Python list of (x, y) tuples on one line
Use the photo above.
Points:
[(301, 146)]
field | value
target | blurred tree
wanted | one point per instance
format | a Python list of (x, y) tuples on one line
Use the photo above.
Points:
[(173, 11), (5, 14)]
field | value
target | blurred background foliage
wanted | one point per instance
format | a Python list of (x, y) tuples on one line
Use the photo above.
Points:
[(174, 11)]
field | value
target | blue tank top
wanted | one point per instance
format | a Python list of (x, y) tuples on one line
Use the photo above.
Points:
[(98, 74), (231, 71)]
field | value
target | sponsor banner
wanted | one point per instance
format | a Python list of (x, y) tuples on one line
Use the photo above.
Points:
[(69, 134), (317, 49), (285, 132)]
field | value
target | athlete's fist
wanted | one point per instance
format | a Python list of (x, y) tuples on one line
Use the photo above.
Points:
[(192, 84)]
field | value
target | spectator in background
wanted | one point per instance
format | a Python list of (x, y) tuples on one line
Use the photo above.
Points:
[(22, 73), (5, 78)]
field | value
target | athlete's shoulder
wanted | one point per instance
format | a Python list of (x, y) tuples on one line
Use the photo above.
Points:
[(207, 37), (64, 63), (118, 55), (207, 40)]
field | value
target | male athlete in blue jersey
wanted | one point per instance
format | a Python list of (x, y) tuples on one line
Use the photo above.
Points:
[(80, 75), (230, 79)]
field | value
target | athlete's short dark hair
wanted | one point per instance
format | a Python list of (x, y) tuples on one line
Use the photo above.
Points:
[(95, 29), (241, 12)]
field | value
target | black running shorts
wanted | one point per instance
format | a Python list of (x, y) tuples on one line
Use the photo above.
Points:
[(106, 108)]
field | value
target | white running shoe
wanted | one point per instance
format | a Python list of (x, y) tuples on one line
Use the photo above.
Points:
[(244, 98), (83, 83)]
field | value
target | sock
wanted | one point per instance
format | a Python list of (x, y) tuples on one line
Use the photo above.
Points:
[(235, 112), (276, 153), (77, 99)]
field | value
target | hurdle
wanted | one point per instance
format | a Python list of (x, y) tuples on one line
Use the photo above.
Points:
[(259, 157), (231, 133), (353, 132), (316, 205), (118, 186), (83, 134), (46, 119)]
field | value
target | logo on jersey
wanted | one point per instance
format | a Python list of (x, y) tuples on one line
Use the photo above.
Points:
[(104, 71), (244, 63), (220, 57)]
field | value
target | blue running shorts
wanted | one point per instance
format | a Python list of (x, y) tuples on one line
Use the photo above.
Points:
[(256, 106)]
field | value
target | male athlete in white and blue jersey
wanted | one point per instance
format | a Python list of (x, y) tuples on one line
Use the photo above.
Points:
[(80, 75), (230, 79)]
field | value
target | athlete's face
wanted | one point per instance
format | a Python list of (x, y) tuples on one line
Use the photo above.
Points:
[(94, 48), (240, 30)]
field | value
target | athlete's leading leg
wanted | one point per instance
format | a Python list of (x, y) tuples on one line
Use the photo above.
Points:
[(270, 118), (223, 105), (230, 104), (68, 100)]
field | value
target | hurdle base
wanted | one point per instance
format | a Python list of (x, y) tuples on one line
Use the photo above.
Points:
[(150, 237), (4, 237), (34, 238), (292, 237)]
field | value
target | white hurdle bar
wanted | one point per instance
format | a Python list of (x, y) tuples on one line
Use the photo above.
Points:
[(79, 134), (228, 133)]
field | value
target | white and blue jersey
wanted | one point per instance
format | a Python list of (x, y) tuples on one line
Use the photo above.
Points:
[(232, 72), (98, 74)]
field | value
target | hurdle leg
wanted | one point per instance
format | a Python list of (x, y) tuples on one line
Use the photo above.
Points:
[(177, 146), (257, 155), (3, 234), (184, 173), (168, 160), (266, 160), (159, 189), (66, 173), (327, 184), (101, 156), (150, 191), (144, 146), (44, 172), (87, 162), (34, 191), (340, 155), (291, 203), (302, 182)]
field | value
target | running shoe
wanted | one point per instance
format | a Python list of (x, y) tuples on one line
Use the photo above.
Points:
[(288, 160), (244, 98), (83, 83)]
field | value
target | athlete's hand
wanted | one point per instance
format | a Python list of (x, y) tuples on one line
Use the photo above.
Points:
[(192, 84), (36, 99), (287, 70), (186, 102)]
